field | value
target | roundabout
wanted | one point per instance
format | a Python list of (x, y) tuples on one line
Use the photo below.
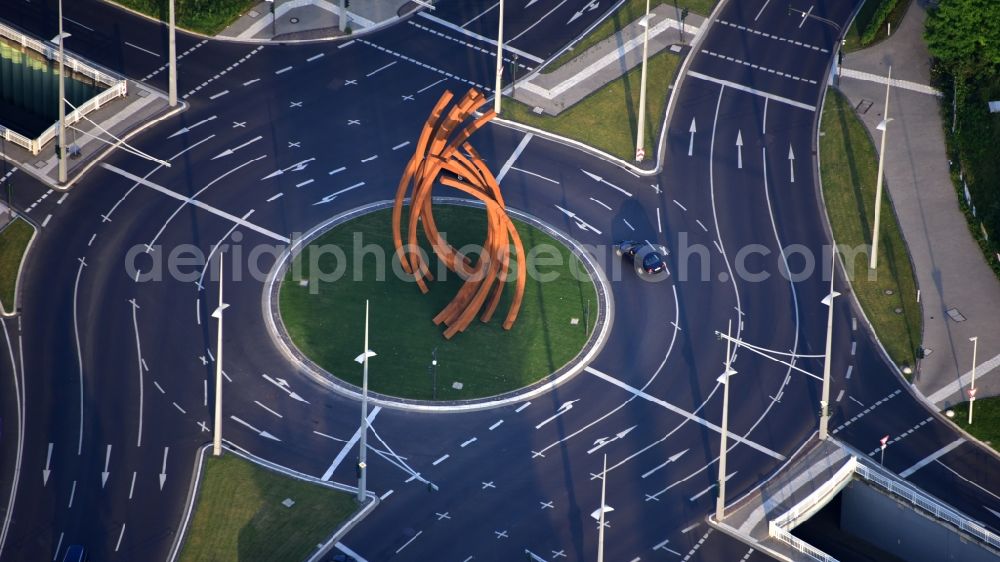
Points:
[(324, 286)]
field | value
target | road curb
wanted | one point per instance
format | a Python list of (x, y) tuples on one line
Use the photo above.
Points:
[(596, 342)]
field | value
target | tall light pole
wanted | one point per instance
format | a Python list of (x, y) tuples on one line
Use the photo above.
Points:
[(61, 150), (172, 53), (499, 87), (873, 263), (824, 403), (640, 136), (363, 442), (343, 15), (217, 438), (972, 387), (720, 501), (600, 521)]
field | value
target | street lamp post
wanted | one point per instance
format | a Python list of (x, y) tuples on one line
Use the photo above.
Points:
[(499, 87), (824, 403), (363, 442), (720, 501), (434, 373), (640, 136), (600, 521), (172, 53), (61, 149), (972, 386), (873, 263), (217, 437)]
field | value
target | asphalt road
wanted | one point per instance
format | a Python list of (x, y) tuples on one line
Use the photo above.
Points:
[(117, 372)]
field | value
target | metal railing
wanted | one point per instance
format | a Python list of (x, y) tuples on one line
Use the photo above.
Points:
[(818, 498), (114, 89), (798, 544), (926, 503)]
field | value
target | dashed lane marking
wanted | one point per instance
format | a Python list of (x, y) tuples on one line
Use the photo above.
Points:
[(774, 37), (757, 67)]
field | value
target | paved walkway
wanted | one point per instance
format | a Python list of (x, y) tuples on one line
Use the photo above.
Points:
[(958, 291), (604, 62), (312, 19)]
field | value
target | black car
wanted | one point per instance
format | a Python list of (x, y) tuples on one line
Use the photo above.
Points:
[(648, 259)]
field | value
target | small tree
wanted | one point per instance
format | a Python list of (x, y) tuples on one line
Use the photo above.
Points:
[(965, 36)]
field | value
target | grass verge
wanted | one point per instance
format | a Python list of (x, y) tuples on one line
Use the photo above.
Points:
[(207, 17), (240, 516), (606, 119), (328, 326), (13, 242), (630, 11), (867, 12), (985, 420), (849, 169)]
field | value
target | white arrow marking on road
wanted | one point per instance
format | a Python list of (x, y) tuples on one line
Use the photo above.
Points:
[(334, 195), (107, 460), (163, 471), (562, 410), (46, 472), (283, 385), (739, 149), (672, 458), (596, 177), (297, 167), (599, 443), (791, 162), (692, 129), (188, 129), (229, 151), (580, 223), (588, 8), (263, 434)]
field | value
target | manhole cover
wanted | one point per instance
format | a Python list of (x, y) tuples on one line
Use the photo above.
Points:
[(253, 13), (293, 20), (888, 291), (956, 315), (898, 310)]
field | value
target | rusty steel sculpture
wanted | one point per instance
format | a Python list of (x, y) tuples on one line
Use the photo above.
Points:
[(443, 146)]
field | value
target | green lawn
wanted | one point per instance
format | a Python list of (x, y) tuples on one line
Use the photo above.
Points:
[(606, 119), (13, 242), (239, 514), (202, 16), (630, 11), (849, 169), (985, 420), (853, 37), (328, 327)]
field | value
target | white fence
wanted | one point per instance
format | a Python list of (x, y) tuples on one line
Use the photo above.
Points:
[(115, 88), (799, 545)]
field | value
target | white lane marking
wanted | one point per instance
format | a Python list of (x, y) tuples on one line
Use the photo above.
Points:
[(131, 488), (380, 69), (539, 20), (483, 13), (676, 202), (750, 90), (407, 543), (429, 86), (854, 347), (334, 195), (514, 156), (522, 407), (273, 197), (79, 352), (599, 179), (496, 425), (196, 203), (351, 42), (72, 494), (539, 176), (283, 70), (400, 145), (850, 368), (348, 446), (138, 352), (343, 548), (601, 203), (219, 95), (659, 222), (78, 23), (469, 442), (628, 224), (840, 395), (684, 413), (761, 11), (337, 171), (147, 51), (370, 158), (314, 57), (932, 457), (951, 470), (440, 460), (386, 494), (58, 546), (856, 401), (121, 535), (304, 183), (701, 225), (478, 37), (248, 82), (178, 406), (268, 409)]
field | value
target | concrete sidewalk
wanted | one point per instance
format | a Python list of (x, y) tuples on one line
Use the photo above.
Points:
[(608, 60), (958, 291), (313, 19)]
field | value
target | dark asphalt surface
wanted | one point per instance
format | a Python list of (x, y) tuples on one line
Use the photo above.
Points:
[(146, 347)]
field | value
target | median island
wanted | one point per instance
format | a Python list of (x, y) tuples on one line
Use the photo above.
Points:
[(322, 307)]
